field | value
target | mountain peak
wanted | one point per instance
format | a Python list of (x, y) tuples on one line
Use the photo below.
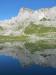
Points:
[(24, 10)]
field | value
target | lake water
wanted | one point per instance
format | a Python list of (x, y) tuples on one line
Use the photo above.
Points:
[(12, 66)]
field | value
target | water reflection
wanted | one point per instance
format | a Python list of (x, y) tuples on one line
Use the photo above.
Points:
[(15, 49)]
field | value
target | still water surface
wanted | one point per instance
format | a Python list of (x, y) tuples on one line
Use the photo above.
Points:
[(12, 66)]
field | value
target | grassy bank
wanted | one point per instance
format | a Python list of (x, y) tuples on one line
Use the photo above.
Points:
[(12, 38), (39, 29)]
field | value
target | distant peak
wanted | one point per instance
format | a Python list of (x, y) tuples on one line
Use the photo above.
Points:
[(22, 10)]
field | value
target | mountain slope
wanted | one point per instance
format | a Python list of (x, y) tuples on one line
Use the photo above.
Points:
[(16, 25)]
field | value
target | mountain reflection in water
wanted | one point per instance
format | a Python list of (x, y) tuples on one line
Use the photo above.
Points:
[(11, 66)]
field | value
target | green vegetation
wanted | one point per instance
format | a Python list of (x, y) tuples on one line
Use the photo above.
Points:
[(40, 45), (12, 38), (1, 29), (38, 29)]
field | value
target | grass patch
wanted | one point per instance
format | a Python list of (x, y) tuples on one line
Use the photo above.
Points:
[(1, 29), (12, 38), (38, 29)]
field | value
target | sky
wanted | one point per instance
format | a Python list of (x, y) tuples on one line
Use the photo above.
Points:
[(10, 8)]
